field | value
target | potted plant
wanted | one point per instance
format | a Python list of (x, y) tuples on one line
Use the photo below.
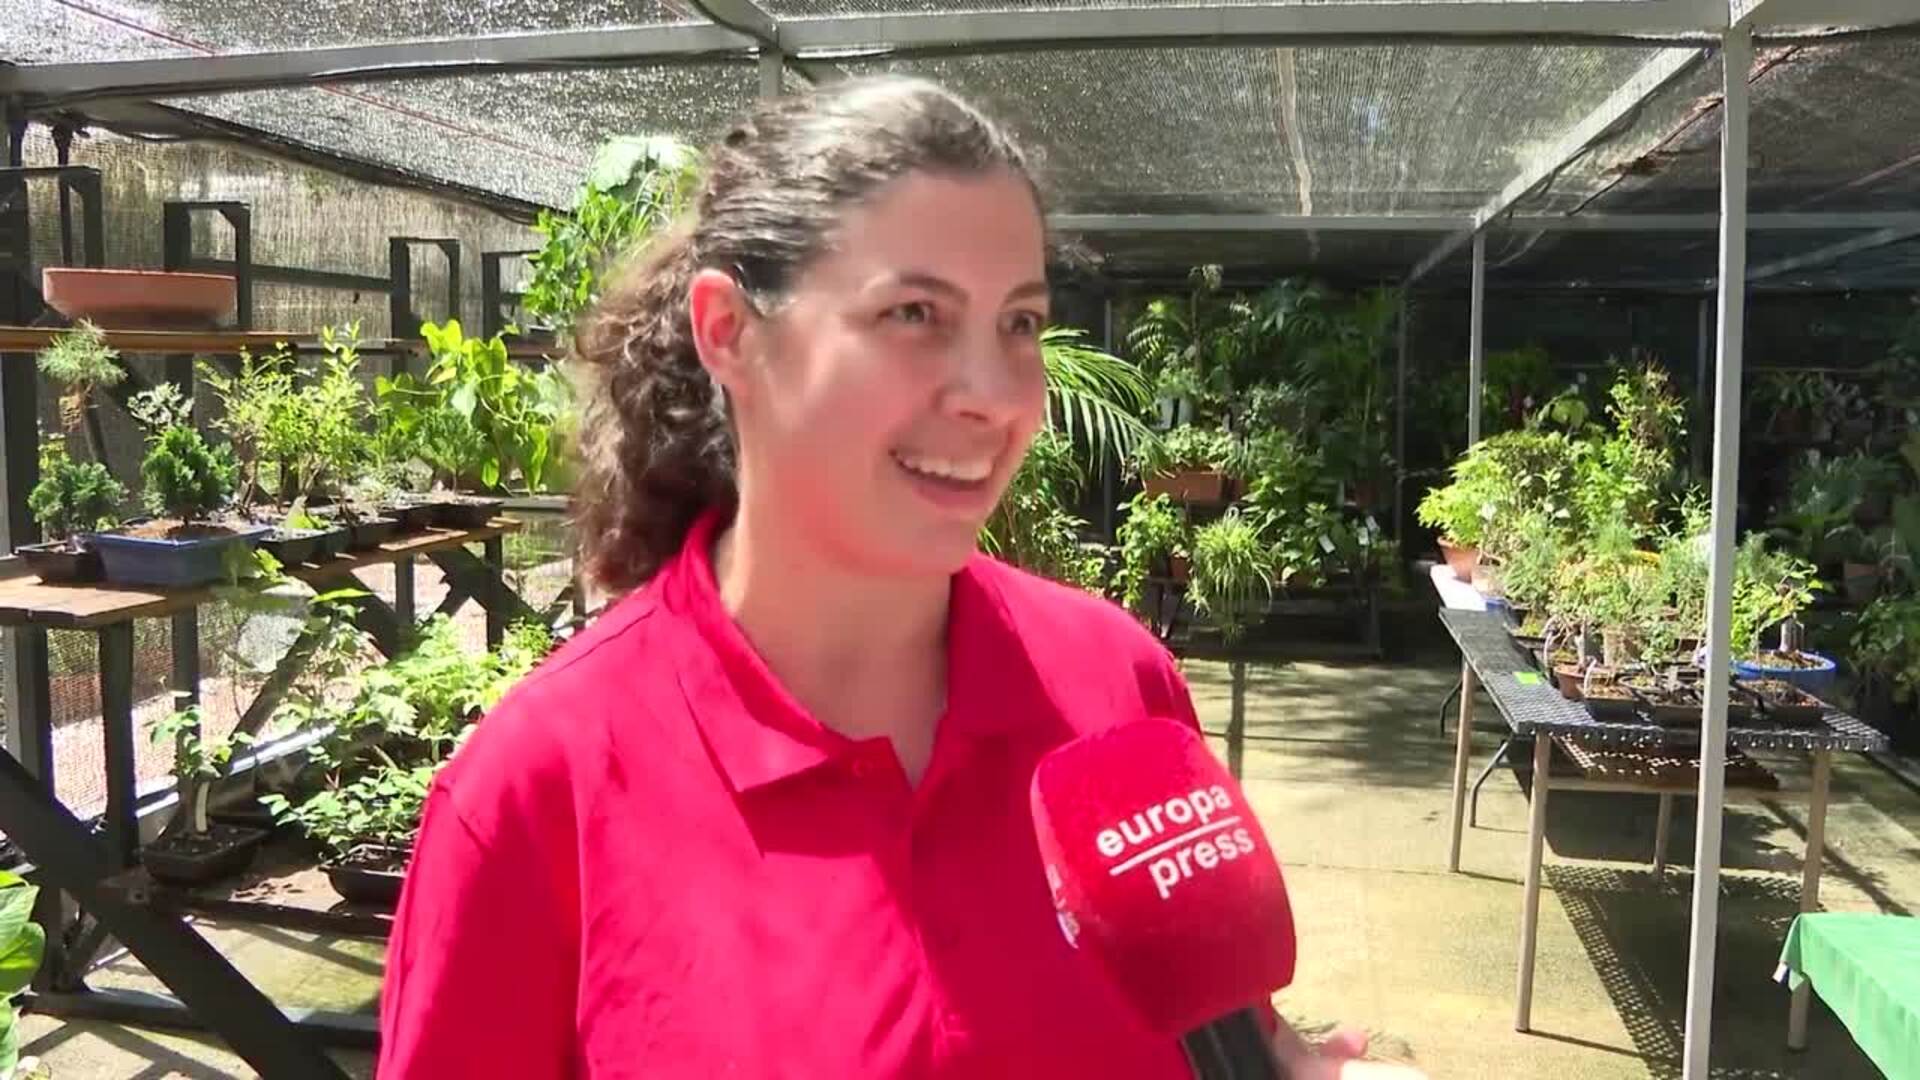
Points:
[(365, 829), (1886, 651), (1153, 539), (1189, 465), (1771, 589), (71, 500), (1232, 576), (198, 850), (81, 362), (186, 481)]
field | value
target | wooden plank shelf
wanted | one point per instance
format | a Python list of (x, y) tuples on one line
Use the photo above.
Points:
[(25, 600)]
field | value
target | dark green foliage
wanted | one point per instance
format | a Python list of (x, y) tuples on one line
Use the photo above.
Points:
[(186, 479), (72, 496)]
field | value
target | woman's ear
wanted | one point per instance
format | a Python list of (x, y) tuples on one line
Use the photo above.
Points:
[(721, 319)]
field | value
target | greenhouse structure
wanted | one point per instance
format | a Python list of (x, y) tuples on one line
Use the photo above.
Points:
[(1551, 366)]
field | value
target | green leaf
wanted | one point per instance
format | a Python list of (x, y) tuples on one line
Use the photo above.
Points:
[(16, 907), (20, 958), (464, 400), (9, 1042)]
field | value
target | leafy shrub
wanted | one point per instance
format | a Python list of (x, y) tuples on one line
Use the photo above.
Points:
[(72, 496), (186, 479)]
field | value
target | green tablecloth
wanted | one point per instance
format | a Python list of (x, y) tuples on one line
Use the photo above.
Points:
[(1866, 968)]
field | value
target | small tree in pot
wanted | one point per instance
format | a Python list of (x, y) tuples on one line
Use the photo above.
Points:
[(187, 481), (82, 363), (194, 851), (71, 498)]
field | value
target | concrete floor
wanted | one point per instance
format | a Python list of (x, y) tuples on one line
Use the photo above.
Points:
[(1352, 781)]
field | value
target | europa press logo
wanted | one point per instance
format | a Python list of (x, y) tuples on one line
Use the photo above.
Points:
[(1203, 839)]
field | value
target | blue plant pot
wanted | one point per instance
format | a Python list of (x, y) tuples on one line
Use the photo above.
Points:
[(1812, 680), (178, 564)]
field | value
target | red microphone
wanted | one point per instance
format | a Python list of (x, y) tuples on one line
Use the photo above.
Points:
[(1161, 876)]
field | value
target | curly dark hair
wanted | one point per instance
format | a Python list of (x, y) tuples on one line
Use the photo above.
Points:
[(656, 445)]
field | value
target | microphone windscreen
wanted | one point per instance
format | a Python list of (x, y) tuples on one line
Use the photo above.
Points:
[(1161, 874)]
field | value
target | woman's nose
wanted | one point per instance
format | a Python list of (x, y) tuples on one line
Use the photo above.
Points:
[(993, 378)]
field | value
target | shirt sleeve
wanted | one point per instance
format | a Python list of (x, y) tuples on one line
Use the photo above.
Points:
[(478, 937), (1165, 692)]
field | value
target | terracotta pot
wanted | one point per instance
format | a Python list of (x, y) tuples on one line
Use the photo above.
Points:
[(1179, 568), (139, 299), (1207, 487), (1460, 560)]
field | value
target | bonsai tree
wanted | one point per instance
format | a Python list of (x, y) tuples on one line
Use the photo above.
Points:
[(1769, 588), (72, 496), (253, 400), (81, 362), (197, 762), (186, 479)]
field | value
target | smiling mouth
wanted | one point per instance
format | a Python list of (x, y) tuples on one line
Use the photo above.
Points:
[(963, 472)]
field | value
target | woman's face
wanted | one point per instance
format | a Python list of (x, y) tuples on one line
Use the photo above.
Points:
[(883, 408)]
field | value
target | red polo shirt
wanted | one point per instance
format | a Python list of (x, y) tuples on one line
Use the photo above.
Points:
[(649, 861)]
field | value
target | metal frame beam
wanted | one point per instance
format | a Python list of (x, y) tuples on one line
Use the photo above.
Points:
[(1519, 223), (1619, 106), (1625, 22), (1892, 234)]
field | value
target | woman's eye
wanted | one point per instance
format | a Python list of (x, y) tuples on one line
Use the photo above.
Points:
[(1026, 324), (916, 313)]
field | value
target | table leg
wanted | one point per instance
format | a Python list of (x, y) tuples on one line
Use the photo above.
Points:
[(1810, 886), (496, 559), (116, 716), (1530, 907), (1237, 718), (1662, 829), (403, 593), (1473, 799), (1463, 748)]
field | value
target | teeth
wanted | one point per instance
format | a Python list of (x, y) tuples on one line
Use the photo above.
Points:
[(967, 472)]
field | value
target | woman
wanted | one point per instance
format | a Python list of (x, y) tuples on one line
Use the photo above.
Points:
[(767, 816)]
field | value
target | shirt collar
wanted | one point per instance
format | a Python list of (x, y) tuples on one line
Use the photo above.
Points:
[(760, 734)]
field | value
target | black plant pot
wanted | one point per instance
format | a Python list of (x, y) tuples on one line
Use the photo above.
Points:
[(368, 533), (370, 876), (61, 561), (410, 514), (190, 859), (292, 546), (335, 539), (465, 511)]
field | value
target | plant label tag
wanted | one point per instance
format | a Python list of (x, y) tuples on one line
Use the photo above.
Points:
[(1372, 525), (1326, 545), (1527, 678)]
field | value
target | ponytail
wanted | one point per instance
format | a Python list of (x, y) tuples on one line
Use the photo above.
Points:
[(655, 447)]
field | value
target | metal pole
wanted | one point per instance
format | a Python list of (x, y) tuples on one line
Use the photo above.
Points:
[(1476, 345), (1737, 59), (1400, 420), (1702, 438), (772, 73)]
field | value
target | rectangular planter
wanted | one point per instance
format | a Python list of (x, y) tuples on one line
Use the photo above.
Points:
[(365, 534), (1200, 487), (293, 546), (179, 564), (411, 515), (187, 860), (60, 564), (465, 511)]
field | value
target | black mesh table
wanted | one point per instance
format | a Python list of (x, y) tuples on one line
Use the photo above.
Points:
[(1533, 709)]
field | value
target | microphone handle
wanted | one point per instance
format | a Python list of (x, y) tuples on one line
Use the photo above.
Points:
[(1233, 1047)]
